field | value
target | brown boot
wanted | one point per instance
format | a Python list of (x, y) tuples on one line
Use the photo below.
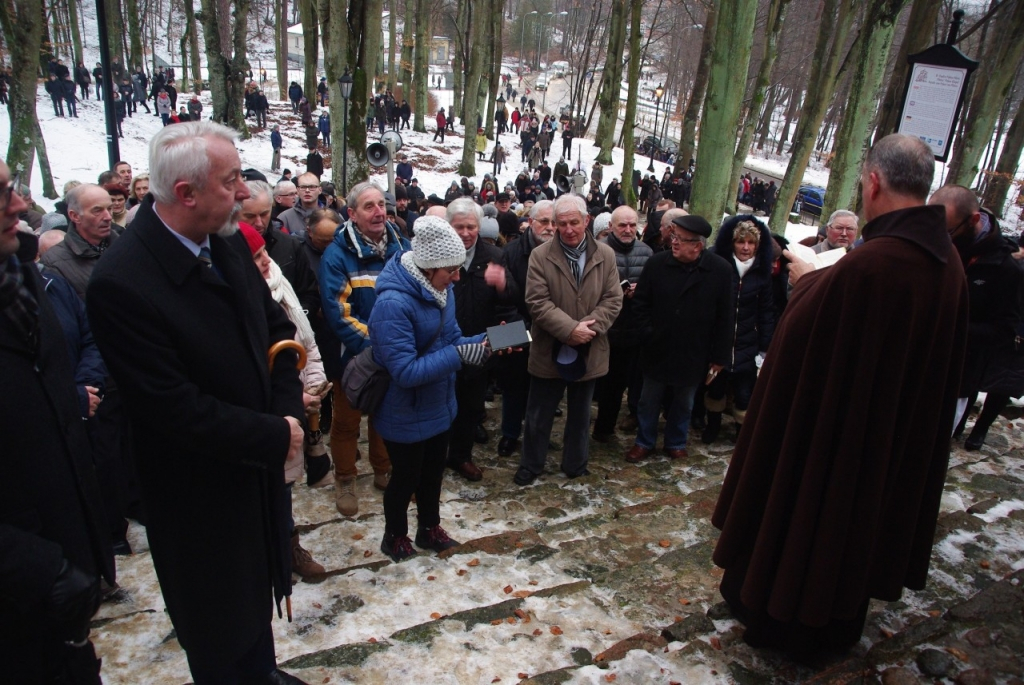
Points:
[(302, 560), (345, 496)]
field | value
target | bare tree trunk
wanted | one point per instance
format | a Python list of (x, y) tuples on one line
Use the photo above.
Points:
[(392, 38), (193, 47), (687, 143), (460, 57), (76, 34), (22, 23), (421, 59), (713, 183), (494, 72), (310, 49), (408, 41), (281, 47), (333, 24), (991, 87), (633, 79), (227, 65), (135, 57), (775, 20), (115, 29), (1006, 168), (479, 19), (795, 100), (920, 24), (836, 18), (764, 126), (869, 57), (611, 83)]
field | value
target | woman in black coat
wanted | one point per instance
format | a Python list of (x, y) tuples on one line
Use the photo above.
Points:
[(746, 244)]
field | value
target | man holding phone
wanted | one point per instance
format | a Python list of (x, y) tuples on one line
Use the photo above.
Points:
[(683, 310)]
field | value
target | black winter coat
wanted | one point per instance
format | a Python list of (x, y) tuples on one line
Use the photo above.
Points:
[(752, 299), (478, 305), (50, 503), (289, 254), (685, 316), (188, 349), (515, 257), (630, 260)]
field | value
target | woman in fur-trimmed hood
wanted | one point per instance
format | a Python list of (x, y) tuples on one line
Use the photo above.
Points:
[(746, 244)]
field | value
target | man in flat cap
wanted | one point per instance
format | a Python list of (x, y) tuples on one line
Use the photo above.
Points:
[(683, 310)]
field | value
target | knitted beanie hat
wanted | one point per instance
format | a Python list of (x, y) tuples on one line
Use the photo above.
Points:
[(436, 245), (252, 236)]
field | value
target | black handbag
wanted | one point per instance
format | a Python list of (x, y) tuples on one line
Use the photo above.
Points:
[(366, 382)]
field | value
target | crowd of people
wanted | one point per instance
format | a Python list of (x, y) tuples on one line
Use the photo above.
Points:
[(138, 316)]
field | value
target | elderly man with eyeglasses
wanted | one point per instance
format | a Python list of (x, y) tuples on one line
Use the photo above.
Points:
[(683, 309), (294, 219), (840, 231)]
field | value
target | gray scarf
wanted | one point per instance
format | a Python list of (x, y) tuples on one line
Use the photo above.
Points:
[(573, 254)]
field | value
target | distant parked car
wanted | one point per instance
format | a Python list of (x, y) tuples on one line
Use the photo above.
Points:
[(811, 199), (542, 82)]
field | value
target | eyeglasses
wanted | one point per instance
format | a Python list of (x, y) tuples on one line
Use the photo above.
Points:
[(679, 239), (451, 269), (288, 195), (309, 187), (5, 195), (844, 229)]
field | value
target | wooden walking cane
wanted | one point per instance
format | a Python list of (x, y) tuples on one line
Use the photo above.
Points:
[(274, 350)]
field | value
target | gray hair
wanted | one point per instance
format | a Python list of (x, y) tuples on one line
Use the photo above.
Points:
[(464, 206), (258, 188), (539, 207), (74, 196), (356, 192), (906, 164), (179, 153), (570, 202), (841, 214), (283, 186)]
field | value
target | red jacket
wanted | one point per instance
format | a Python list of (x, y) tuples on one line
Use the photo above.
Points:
[(441, 121)]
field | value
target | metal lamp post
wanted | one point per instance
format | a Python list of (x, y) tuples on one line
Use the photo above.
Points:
[(522, 40), (658, 92), (346, 92), (540, 34)]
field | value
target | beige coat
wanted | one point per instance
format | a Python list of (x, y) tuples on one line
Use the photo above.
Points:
[(557, 305)]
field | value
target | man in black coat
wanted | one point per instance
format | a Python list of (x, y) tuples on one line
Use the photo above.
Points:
[(184, 321), (55, 90), (683, 309), (52, 529), (483, 297), (512, 372)]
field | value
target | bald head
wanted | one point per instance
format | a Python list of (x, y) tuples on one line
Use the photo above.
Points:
[(960, 203), (666, 221), (49, 239), (623, 224)]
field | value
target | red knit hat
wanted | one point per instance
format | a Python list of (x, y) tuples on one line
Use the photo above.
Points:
[(252, 236)]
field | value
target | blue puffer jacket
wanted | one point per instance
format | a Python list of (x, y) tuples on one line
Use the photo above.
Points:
[(348, 274), (420, 402), (752, 295)]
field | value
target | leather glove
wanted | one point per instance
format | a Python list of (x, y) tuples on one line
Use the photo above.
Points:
[(473, 354), (74, 599)]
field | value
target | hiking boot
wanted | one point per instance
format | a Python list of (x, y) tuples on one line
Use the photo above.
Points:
[(345, 497), (380, 480), (434, 538), (302, 560), (398, 547)]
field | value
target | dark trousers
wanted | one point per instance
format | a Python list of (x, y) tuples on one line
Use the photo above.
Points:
[(72, 109), (470, 388), (567, 150), (254, 666), (58, 106), (740, 383), (85, 90), (416, 467), (514, 381), (261, 118), (623, 372), (545, 394), (439, 132)]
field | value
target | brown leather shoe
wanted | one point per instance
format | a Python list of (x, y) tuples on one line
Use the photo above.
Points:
[(677, 454), (637, 454), (468, 470)]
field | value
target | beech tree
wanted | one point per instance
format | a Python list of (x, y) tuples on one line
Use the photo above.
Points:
[(713, 184), (281, 47), (919, 35), (226, 64), (611, 83), (687, 141), (1006, 168), (479, 17), (421, 60), (633, 79)]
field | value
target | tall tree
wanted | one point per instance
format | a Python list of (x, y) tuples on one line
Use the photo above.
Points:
[(22, 22), (76, 32), (115, 29), (227, 64), (310, 48), (687, 141), (479, 16), (920, 27), (193, 47), (281, 46), (1006, 168), (611, 83), (460, 60), (408, 41), (135, 56), (421, 73), (392, 38), (869, 55), (773, 27), (493, 71), (993, 80), (713, 183), (829, 47), (633, 79)]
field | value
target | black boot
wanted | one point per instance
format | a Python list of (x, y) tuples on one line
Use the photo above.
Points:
[(710, 433), (993, 405)]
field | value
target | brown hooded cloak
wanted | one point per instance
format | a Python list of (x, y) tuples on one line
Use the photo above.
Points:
[(833, 490)]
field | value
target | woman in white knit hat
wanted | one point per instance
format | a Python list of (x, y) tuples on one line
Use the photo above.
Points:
[(414, 336)]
